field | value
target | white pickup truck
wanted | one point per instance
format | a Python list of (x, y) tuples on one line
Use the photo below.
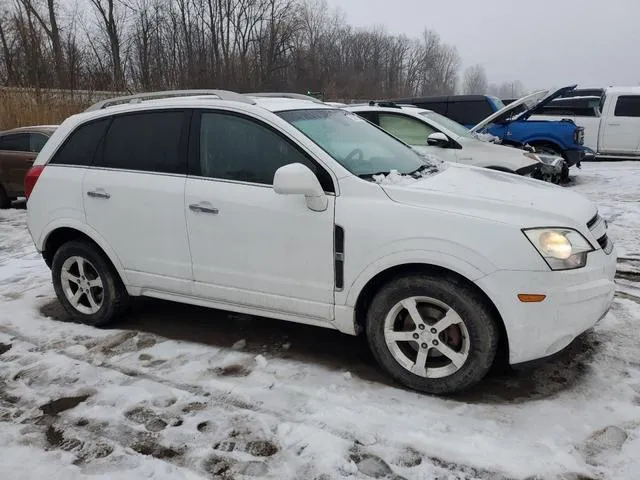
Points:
[(612, 130)]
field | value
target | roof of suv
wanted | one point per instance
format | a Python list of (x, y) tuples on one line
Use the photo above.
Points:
[(271, 101), (247, 103), (385, 108)]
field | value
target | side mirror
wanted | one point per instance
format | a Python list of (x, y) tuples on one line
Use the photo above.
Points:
[(438, 139), (296, 179)]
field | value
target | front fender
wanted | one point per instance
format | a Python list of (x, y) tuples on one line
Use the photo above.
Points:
[(461, 260), (89, 232)]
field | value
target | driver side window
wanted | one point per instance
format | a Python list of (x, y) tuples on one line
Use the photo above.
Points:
[(407, 129), (237, 148)]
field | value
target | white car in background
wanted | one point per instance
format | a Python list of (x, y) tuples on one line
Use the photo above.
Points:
[(436, 134), (295, 210)]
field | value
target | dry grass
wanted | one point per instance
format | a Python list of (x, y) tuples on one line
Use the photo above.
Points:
[(20, 108)]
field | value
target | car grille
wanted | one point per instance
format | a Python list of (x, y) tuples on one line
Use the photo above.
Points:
[(598, 227)]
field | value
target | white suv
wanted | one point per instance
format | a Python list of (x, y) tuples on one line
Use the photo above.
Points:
[(292, 209)]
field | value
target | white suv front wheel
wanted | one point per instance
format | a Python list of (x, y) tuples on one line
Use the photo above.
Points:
[(86, 284), (432, 334)]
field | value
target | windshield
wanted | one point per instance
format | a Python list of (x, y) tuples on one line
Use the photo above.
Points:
[(499, 104), (360, 147), (447, 123)]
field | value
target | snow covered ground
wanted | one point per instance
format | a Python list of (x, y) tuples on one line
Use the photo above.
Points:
[(185, 393)]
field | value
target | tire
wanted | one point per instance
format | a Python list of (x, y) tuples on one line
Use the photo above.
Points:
[(5, 201), (104, 298), (564, 175), (472, 339)]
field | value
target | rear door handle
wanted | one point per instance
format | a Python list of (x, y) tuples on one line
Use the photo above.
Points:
[(203, 207), (98, 193)]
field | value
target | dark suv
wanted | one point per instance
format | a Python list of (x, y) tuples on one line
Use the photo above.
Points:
[(18, 149)]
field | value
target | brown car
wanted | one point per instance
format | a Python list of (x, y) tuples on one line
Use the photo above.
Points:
[(18, 149)]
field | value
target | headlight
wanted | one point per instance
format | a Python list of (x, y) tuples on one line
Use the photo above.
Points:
[(561, 248)]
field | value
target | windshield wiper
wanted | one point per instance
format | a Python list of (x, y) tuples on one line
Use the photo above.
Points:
[(423, 169)]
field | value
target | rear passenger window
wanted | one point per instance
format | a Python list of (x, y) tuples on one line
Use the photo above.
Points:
[(628, 106), (17, 142), (237, 148), (81, 146), (149, 142), (36, 142)]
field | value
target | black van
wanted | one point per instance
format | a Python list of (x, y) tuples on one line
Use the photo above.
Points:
[(469, 110)]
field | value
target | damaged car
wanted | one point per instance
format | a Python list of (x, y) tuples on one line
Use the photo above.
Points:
[(432, 133)]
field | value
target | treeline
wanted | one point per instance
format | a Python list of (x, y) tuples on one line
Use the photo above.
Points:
[(245, 45)]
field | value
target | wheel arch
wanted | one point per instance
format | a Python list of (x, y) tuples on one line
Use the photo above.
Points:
[(387, 275), (62, 234), (542, 142)]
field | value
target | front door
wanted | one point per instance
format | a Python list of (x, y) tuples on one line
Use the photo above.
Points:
[(134, 198), (250, 246), (621, 126)]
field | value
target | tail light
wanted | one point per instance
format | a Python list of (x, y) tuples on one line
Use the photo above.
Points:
[(32, 177)]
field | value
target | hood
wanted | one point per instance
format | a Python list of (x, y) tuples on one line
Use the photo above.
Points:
[(483, 154), (497, 196), (528, 104)]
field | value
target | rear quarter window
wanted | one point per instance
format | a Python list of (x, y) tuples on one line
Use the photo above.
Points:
[(81, 146)]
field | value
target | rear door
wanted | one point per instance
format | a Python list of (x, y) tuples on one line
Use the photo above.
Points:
[(620, 130), (134, 198), (15, 160)]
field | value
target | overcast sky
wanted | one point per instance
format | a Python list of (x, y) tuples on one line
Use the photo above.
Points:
[(543, 43)]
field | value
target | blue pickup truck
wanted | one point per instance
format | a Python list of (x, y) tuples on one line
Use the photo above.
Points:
[(512, 123)]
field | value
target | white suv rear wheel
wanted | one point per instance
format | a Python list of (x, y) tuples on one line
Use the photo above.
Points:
[(86, 284)]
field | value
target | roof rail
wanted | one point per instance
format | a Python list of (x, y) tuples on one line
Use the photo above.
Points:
[(384, 103), (293, 96), (139, 97)]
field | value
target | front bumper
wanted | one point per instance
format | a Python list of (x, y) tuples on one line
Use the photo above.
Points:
[(575, 301)]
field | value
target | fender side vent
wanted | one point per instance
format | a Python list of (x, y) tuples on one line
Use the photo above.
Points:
[(338, 246)]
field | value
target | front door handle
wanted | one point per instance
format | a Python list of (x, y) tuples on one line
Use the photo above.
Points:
[(613, 124), (98, 193), (204, 207)]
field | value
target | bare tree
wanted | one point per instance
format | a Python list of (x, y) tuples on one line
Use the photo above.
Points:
[(107, 14), (244, 45), (514, 89), (474, 81), (49, 24)]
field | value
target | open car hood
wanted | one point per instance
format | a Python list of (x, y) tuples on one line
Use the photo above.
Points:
[(530, 103)]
